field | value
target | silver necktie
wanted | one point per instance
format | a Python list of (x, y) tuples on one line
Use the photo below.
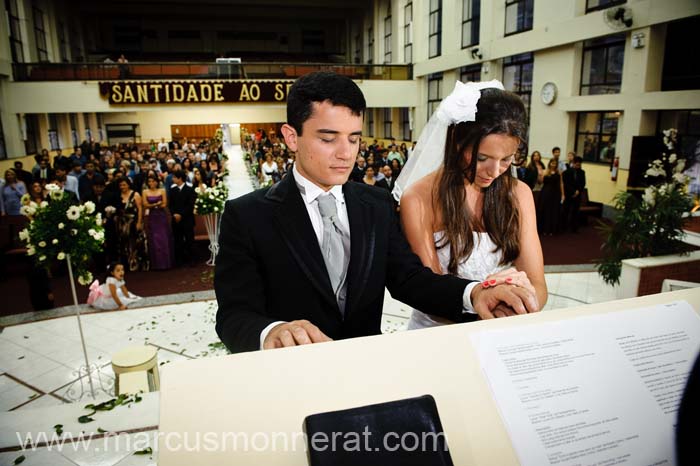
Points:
[(332, 247)]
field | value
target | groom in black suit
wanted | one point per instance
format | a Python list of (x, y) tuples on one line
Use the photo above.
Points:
[(307, 260)]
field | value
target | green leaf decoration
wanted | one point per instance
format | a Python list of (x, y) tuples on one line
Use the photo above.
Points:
[(19, 459), (85, 419), (145, 451)]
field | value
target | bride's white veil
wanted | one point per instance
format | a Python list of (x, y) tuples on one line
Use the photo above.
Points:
[(427, 157)]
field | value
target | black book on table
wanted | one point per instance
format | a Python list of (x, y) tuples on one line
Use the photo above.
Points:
[(405, 432)]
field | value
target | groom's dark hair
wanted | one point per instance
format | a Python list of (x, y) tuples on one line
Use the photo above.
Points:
[(319, 87)]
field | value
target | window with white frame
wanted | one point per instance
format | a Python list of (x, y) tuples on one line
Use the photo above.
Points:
[(54, 141), (16, 46), (387, 35), (519, 15), (470, 73), (434, 92), (387, 123), (408, 33), (471, 13), (603, 59), (435, 29), (405, 115), (517, 76), (370, 45), (40, 34)]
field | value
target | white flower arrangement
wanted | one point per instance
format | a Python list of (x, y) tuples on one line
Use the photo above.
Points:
[(211, 200), (652, 225), (670, 168), (58, 230)]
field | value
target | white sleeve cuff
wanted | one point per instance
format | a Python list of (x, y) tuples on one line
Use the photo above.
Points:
[(266, 330), (467, 299)]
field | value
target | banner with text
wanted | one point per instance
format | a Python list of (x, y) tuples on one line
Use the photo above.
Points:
[(191, 92)]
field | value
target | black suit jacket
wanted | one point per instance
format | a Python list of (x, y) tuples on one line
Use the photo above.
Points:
[(384, 183), (181, 201), (270, 268), (574, 180)]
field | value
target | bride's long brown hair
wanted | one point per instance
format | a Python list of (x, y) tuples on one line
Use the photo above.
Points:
[(498, 112)]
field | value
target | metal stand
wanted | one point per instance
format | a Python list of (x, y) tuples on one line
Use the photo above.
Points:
[(212, 222), (87, 369)]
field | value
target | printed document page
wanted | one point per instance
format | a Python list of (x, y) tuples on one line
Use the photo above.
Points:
[(594, 390)]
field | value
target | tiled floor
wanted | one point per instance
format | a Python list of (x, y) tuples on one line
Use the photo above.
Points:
[(39, 361)]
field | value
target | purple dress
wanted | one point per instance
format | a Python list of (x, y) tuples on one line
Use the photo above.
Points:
[(160, 236)]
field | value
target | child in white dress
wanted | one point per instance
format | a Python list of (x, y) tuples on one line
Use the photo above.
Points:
[(113, 293)]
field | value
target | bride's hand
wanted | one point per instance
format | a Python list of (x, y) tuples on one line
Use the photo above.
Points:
[(509, 276)]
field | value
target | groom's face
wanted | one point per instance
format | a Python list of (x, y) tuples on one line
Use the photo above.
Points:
[(328, 145)]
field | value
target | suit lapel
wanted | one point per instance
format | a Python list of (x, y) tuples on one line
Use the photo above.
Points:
[(293, 221), (362, 243)]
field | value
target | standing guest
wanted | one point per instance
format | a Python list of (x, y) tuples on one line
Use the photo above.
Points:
[(23, 175), (395, 168), (158, 230), (556, 154), (77, 170), (389, 180), (43, 172), (87, 179), (570, 160), (410, 150), (129, 224), (70, 183), (535, 174), (369, 178), (61, 160), (77, 156), (394, 154), (36, 192), (358, 171), (162, 145), (199, 182), (551, 198), (574, 180), (181, 201), (106, 202), (12, 192), (269, 169)]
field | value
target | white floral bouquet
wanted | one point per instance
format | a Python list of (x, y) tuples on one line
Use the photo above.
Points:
[(666, 172), (59, 228), (211, 200)]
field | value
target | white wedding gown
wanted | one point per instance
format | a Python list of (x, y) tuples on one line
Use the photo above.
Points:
[(483, 261)]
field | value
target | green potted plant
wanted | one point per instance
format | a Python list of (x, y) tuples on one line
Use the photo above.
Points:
[(652, 225)]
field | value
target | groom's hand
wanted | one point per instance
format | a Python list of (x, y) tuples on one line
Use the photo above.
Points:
[(489, 302), (296, 332)]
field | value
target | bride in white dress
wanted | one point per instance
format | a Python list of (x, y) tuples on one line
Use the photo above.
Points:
[(461, 210)]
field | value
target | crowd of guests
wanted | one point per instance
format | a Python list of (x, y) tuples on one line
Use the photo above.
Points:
[(558, 190), (146, 195)]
